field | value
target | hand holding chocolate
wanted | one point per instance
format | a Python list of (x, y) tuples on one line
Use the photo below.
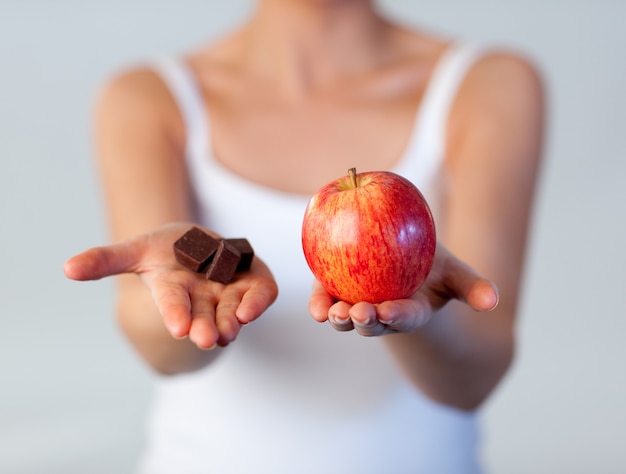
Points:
[(218, 259)]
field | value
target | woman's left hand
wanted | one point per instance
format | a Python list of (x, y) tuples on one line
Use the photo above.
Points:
[(449, 278)]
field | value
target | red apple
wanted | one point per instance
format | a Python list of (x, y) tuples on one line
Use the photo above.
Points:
[(369, 237)]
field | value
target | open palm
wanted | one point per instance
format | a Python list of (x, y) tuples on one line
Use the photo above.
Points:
[(209, 313)]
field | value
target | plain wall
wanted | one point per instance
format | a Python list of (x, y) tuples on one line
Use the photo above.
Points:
[(72, 392)]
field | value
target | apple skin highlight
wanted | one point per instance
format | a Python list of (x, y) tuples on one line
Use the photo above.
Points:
[(369, 237)]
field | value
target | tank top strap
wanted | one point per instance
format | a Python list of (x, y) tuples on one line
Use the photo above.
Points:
[(429, 135), (181, 83)]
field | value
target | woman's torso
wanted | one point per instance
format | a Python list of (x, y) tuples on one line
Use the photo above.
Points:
[(293, 395)]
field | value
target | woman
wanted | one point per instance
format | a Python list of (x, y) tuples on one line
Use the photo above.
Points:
[(236, 137)]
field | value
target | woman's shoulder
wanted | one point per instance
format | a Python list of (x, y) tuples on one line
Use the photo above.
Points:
[(502, 84), (136, 98), (505, 67), (136, 86)]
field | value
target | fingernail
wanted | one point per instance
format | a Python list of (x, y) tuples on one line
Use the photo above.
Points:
[(363, 324), (338, 320)]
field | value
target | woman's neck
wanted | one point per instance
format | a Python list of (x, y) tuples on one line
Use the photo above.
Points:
[(308, 44)]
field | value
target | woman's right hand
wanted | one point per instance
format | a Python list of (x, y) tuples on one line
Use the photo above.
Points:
[(207, 312)]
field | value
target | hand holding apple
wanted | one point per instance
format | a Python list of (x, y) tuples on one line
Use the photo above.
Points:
[(369, 237), (449, 278)]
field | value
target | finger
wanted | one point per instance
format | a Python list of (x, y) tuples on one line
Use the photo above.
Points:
[(228, 325), (405, 315), (468, 286), (256, 300), (173, 302), (320, 302), (483, 296), (339, 316), (363, 314), (365, 320), (203, 331), (100, 262)]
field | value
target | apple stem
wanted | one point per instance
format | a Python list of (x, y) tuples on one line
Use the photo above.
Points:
[(352, 174)]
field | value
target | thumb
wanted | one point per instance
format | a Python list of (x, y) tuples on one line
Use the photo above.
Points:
[(465, 284), (100, 262), (483, 295)]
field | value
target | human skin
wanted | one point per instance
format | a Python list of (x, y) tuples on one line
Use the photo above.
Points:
[(342, 84)]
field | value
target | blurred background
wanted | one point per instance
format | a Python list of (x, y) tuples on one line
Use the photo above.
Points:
[(72, 393)]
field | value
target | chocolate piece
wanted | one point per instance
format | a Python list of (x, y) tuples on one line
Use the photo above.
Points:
[(195, 249), (224, 264), (246, 251)]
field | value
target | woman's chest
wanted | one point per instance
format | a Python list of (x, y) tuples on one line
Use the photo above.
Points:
[(299, 148)]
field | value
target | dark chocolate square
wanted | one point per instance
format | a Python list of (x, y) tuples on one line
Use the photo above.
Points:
[(195, 249), (246, 251), (224, 264)]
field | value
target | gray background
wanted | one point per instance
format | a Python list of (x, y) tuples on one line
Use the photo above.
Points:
[(72, 392)]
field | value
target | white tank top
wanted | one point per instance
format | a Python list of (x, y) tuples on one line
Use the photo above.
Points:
[(291, 395)]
